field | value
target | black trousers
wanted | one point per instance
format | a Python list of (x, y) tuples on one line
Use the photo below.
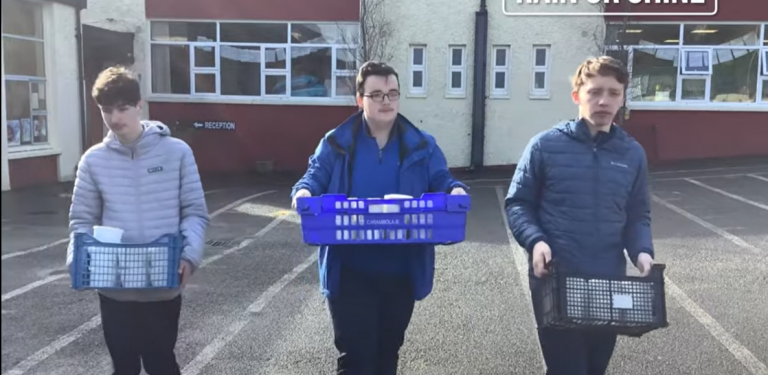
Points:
[(370, 315), (137, 332), (570, 352)]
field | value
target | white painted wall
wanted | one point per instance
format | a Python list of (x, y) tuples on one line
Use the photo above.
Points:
[(6, 179), (510, 121), (64, 85), (128, 16), (437, 26)]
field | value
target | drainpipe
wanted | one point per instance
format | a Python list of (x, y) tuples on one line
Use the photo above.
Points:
[(81, 75), (478, 92)]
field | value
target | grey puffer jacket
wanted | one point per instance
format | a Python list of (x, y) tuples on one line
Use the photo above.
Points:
[(148, 189)]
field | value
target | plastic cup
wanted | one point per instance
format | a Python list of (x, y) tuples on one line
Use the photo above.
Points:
[(158, 260), (133, 267), (103, 267), (108, 234)]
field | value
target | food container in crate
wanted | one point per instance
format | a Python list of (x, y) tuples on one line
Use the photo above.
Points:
[(334, 219), (99, 265), (625, 305)]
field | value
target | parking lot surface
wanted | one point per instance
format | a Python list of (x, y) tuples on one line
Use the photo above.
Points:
[(255, 307)]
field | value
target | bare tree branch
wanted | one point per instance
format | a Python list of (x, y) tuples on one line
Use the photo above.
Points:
[(371, 42)]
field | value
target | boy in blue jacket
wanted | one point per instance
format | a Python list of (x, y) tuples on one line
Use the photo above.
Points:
[(371, 289), (580, 195)]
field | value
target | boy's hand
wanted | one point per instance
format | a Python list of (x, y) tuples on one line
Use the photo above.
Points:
[(185, 271), (300, 194), (458, 191), (644, 264), (542, 254)]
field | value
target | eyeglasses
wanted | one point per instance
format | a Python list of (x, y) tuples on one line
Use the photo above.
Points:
[(379, 96)]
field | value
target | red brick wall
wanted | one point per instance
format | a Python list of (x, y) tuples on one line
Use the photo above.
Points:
[(680, 135), (33, 171), (284, 134), (257, 10)]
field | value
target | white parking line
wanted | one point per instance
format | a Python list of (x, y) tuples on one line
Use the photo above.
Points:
[(715, 329), (758, 177), (28, 287), (521, 262), (65, 240), (54, 347), (652, 179), (722, 233), (35, 249), (210, 351), (709, 169), (727, 194), (63, 341), (39, 283)]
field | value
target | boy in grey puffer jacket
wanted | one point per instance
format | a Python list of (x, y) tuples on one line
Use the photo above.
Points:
[(145, 182)]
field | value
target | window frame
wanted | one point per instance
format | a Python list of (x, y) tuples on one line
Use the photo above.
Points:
[(32, 149), (412, 68), (461, 92), (546, 69), (757, 105), (506, 69), (684, 61), (284, 98)]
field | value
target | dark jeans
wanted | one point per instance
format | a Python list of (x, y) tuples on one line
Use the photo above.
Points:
[(138, 332), (568, 352), (370, 315)]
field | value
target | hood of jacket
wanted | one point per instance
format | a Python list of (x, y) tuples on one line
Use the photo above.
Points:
[(579, 131), (153, 133)]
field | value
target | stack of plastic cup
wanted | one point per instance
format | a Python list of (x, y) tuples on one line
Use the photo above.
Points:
[(104, 260)]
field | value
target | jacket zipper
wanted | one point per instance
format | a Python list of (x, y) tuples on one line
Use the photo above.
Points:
[(595, 189)]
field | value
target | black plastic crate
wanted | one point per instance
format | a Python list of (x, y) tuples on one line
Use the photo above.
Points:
[(625, 305)]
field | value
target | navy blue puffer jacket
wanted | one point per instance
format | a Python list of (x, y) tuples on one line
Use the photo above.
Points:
[(586, 197)]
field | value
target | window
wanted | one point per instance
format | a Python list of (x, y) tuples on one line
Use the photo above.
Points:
[(25, 79), (540, 79), (457, 71), (418, 70), (500, 72), (654, 74), (252, 59), (765, 62), (717, 63)]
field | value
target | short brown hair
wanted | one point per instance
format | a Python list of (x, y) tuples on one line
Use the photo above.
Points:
[(605, 66), (374, 68), (117, 86)]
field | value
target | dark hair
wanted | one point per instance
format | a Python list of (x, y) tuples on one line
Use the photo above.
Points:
[(374, 68), (117, 86), (605, 66)]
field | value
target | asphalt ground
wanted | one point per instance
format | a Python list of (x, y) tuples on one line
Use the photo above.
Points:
[(255, 306)]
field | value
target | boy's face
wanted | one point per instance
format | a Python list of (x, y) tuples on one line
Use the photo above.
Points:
[(123, 120), (599, 99), (376, 106)]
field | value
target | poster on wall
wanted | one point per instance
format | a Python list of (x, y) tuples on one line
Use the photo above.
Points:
[(14, 132), (41, 129), (26, 131)]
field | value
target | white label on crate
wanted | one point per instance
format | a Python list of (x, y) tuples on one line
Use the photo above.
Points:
[(376, 234), (338, 204), (338, 234), (430, 204), (346, 234), (338, 220), (407, 204), (383, 222), (422, 204), (346, 204), (346, 220), (383, 208), (369, 234), (414, 204), (422, 219), (354, 204), (622, 301), (361, 204), (354, 219), (429, 219)]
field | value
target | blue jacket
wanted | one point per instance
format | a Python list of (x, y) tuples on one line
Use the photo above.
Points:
[(424, 169), (587, 198)]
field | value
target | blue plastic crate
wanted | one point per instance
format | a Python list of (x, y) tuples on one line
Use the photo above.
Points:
[(97, 265), (334, 219)]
